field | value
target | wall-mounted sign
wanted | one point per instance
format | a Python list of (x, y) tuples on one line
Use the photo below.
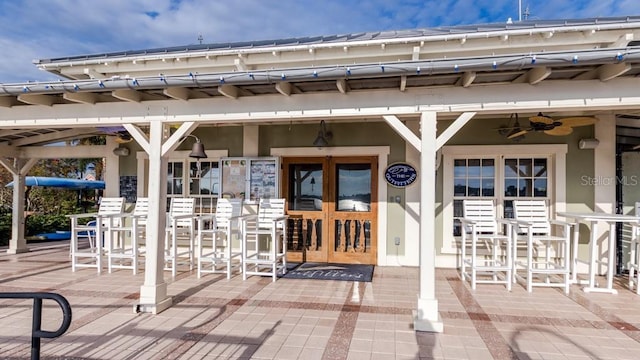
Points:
[(400, 175)]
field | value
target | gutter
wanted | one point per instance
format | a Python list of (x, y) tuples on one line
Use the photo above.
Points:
[(388, 69)]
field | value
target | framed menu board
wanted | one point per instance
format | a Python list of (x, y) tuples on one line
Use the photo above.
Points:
[(257, 177)]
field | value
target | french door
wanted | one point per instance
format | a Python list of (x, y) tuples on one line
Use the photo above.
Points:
[(332, 208)]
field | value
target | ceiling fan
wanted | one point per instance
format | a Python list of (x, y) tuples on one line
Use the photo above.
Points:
[(121, 134), (549, 125)]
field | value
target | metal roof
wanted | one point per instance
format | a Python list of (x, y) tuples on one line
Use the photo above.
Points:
[(570, 24)]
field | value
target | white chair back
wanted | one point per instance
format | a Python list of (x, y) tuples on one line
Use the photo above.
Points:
[(534, 211), (141, 210), (182, 206), (227, 209), (109, 206), (483, 213), (270, 209)]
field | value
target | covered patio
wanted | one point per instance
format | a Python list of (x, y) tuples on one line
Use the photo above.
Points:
[(214, 317), (422, 91)]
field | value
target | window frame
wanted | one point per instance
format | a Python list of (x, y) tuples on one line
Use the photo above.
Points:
[(213, 156), (556, 178)]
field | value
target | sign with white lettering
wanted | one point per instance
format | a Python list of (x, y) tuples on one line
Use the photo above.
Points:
[(400, 175)]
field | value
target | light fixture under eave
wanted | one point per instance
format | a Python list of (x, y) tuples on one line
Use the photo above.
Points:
[(323, 137), (197, 150), (121, 151)]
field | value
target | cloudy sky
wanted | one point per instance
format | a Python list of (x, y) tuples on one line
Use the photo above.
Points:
[(43, 29)]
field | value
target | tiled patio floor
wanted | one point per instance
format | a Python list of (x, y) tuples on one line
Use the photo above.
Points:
[(216, 318)]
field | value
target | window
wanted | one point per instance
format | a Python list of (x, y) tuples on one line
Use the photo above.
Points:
[(201, 177), (500, 173), (524, 178), (204, 184), (472, 178)]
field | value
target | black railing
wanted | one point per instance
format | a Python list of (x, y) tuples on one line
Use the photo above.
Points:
[(36, 331)]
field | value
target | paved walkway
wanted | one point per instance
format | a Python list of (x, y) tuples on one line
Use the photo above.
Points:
[(216, 318)]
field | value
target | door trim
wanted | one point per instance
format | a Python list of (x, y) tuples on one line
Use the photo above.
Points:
[(382, 152)]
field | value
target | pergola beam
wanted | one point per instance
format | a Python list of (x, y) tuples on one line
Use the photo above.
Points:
[(83, 98), (534, 76), (178, 93), (610, 71), (285, 88), (36, 99), (127, 95), (467, 79), (343, 86), (230, 91)]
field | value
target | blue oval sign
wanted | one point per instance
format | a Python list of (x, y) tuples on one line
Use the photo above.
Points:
[(400, 174)]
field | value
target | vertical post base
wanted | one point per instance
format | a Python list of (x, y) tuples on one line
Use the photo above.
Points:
[(153, 299), (426, 318), (12, 251)]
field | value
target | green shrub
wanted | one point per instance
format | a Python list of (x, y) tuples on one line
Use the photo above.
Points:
[(36, 224), (5, 229)]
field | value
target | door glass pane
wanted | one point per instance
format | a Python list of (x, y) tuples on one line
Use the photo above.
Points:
[(353, 187), (305, 189)]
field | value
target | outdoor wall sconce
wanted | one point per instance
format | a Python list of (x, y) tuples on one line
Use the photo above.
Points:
[(323, 137), (197, 151)]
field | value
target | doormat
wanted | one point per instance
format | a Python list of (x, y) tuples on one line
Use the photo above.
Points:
[(325, 271)]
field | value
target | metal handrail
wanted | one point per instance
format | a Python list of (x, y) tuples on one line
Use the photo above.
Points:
[(36, 331)]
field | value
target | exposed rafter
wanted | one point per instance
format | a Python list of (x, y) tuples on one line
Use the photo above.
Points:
[(178, 93), (285, 88), (610, 71), (229, 91), (342, 86), (605, 72), (92, 73), (36, 99), (466, 79), (127, 95), (54, 136), (534, 76), (83, 98), (240, 65)]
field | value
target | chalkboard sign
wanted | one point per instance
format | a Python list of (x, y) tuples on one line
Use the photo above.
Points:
[(129, 188)]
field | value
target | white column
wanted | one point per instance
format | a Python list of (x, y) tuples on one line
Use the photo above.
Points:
[(153, 293), (412, 204), (18, 244), (426, 318), (604, 190)]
